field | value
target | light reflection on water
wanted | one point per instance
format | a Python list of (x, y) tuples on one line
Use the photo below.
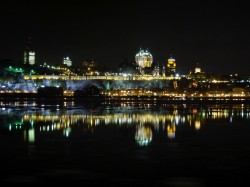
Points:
[(146, 119), (128, 142)]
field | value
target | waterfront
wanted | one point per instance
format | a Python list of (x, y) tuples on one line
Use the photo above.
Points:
[(124, 143)]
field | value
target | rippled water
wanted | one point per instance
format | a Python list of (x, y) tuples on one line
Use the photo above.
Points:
[(124, 143)]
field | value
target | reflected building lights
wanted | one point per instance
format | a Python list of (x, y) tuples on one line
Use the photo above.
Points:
[(29, 135), (66, 132), (63, 121), (150, 121), (171, 131), (143, 135), (197, 124)]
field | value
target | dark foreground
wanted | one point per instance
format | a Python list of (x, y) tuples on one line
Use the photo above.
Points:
[(104, 163)]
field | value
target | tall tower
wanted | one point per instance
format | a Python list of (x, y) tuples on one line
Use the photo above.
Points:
[(29, 55), (171, 64)]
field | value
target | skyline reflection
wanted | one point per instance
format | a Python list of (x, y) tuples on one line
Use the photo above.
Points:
[(146, 120)]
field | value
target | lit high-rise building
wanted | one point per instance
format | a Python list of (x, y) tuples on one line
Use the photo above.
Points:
[(67, 61), (29, 55), (143, 59), (171, 64)]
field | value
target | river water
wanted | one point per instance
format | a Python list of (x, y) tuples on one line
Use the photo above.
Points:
[(124, 143)]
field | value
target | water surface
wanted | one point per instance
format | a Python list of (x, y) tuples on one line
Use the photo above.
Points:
[(124, 143)]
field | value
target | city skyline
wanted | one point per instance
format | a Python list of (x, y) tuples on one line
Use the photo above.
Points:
[(215, 35)]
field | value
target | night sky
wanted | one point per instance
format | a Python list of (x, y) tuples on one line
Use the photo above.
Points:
[(214, 34)]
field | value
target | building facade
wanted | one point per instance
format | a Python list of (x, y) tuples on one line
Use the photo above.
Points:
[(171, 64), (29, 57), (67, 61), (144, 59)]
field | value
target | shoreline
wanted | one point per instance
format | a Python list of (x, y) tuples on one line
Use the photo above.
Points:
[(143, 99)]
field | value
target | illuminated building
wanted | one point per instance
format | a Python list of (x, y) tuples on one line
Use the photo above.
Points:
[(163, 71), (143, 59), (171, 64), (67, 61), (198, 75), (197, 69), (89, 67), (29, 55), (156, 70)]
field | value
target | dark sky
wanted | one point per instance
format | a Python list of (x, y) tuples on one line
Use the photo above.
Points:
[(214, 34)]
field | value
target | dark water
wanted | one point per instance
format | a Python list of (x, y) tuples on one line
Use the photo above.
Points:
[(124, 143)]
